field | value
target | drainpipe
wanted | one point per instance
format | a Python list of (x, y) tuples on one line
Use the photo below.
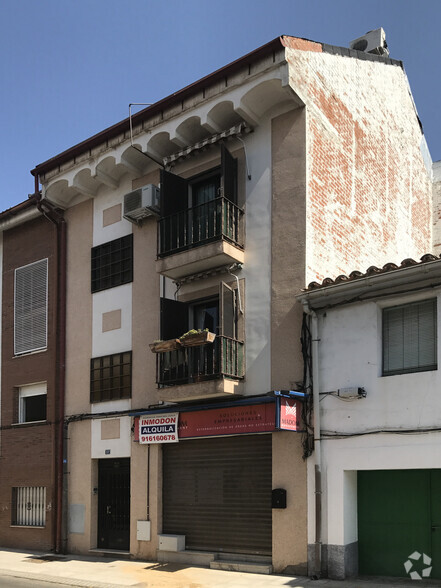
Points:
[(51, 213), (317, 447)]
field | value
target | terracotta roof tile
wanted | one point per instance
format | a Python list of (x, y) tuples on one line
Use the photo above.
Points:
[(372, 271)]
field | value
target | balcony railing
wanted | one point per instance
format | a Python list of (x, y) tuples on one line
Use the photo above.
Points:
[(217, 219), (223, 357)]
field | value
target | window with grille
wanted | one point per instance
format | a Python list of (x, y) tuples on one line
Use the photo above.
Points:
[(29, 506), (410, 338), (112, 263), (111, 377), (30, 307)]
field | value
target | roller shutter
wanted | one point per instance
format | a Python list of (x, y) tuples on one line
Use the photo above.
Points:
[(217, 492)]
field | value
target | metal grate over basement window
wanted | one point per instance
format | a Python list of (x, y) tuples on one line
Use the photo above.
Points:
[(30, 307), (29, 506)]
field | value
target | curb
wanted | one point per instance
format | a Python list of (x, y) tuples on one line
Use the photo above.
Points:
[(59, 580)]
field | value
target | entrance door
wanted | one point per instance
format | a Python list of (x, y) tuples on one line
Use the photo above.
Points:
[(399, 515), (114, 504)]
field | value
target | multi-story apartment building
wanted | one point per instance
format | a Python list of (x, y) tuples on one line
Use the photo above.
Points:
[(30, 408), (297, 160)]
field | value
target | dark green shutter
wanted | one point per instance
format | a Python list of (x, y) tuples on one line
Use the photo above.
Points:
[(174, 193), (174, 319), (229, 175), (227, 311)]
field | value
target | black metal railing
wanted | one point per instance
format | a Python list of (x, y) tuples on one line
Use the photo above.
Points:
[(223, 357), (217, 219)]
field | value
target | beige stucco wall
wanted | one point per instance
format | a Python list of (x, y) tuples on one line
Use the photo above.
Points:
[(290, 524), (145, 329), (78, 352), (287, 246), (288, 144), (79, 308)]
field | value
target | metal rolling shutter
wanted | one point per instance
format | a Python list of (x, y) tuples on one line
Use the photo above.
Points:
[(217, 492)]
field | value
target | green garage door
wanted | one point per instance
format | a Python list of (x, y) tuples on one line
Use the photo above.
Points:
[(399, 513)]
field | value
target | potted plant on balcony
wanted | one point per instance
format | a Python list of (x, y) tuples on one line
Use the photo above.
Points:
[(160, 346), (196, 337)]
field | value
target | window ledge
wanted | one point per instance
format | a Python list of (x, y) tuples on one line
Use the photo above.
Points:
[(407, 372), (27, 527), (29, 423), (26, 353)]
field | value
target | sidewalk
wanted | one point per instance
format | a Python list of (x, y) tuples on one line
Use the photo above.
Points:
[(108, 573)]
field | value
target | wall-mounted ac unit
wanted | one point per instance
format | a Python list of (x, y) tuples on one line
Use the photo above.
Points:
[(141, 203), (372, 42)]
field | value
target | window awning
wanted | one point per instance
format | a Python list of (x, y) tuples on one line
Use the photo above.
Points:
[(234, 131)]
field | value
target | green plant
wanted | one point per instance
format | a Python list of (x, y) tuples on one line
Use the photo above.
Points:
[(193, 332)]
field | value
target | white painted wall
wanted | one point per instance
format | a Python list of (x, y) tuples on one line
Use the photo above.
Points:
[(105, 199), (350, 355), (117, 340), (257, 266)]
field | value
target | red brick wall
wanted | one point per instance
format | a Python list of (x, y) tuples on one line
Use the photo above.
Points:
[(369, 193), (27, 451)]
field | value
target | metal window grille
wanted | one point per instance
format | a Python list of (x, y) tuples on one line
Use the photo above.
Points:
[(30, 307), (111, 377), (112, 263), (29, 506)]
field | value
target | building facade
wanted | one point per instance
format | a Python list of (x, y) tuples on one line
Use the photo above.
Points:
[(377, 379), (271, 172), (29, 403)]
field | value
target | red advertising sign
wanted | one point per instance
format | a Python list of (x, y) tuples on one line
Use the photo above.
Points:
[(290, 412), (266, 417), (232, 420)]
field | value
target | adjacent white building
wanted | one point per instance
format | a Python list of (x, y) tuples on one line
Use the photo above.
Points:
[(378, 430)]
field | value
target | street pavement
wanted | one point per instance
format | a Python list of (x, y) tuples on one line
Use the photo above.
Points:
[(96, 572)]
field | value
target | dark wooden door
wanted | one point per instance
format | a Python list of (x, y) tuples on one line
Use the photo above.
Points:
[(114, 504)]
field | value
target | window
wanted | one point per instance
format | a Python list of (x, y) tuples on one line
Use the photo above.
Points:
[(221, 315), (30, 307), (32, 403), (29, 506), (201, 209), (112, 263), (409, 338), (111, 377)]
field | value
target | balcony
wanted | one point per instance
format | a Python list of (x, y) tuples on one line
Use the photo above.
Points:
[(200, 238), (205, 371)]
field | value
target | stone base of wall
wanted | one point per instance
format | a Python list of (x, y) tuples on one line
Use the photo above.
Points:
[(338, 561)]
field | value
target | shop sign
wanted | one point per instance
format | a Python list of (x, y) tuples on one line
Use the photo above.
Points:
[(283, 414), (231, 420), (158, 428), (289, 415)]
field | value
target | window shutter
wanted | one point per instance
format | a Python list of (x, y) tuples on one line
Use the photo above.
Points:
[(229, 175), (30, 307), (409, 337), (174, 194), (174, 318), (227, 311)]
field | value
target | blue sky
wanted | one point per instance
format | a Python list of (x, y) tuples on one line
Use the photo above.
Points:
[(70, 68)]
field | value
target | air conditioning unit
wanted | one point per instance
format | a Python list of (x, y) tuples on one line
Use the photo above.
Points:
[(372, 42), (141, 203)]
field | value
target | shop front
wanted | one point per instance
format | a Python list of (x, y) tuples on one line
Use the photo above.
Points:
[(218, 471)]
